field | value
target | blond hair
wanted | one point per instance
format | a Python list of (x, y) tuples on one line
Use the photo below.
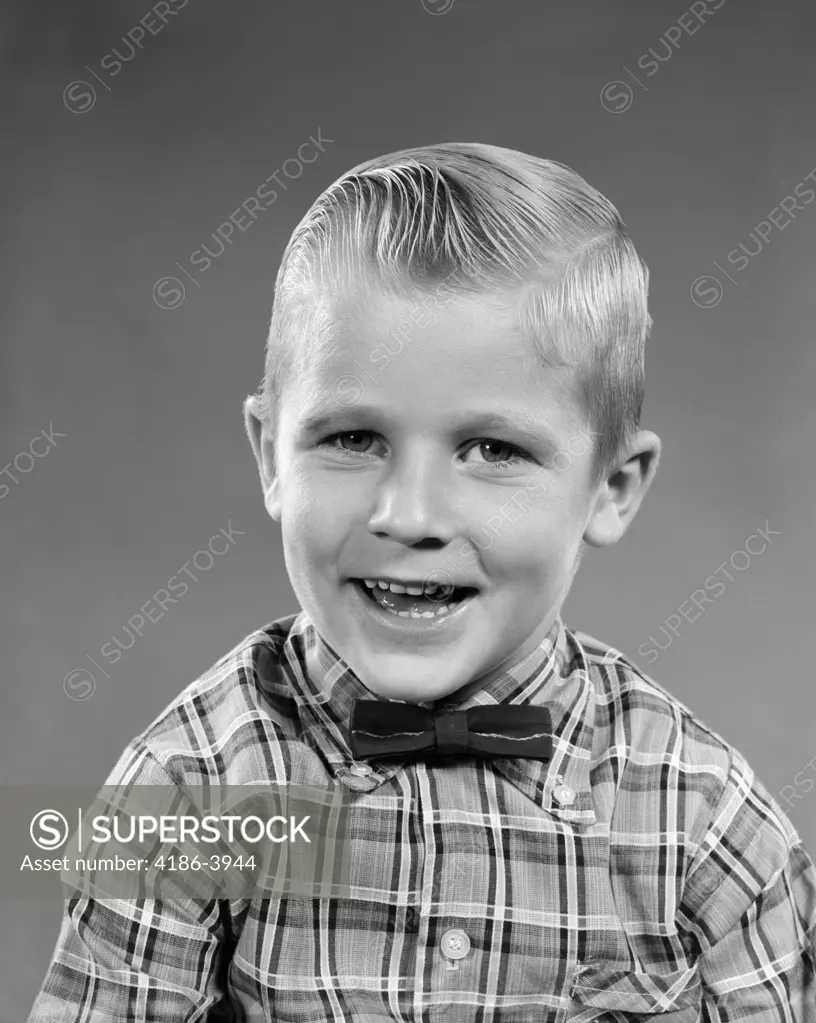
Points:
[(486, 219)]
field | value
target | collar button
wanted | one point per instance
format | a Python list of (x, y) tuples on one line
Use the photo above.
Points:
[(564, 795), (360, 770)]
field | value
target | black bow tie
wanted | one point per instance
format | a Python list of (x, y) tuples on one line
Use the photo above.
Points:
[(383, 730)]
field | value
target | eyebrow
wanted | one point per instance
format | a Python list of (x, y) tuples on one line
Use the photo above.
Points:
[(526, 428)]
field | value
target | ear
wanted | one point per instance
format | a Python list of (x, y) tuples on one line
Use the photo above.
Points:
[(619, 495), (263, 447)]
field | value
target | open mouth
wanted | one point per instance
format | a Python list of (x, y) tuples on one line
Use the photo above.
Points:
[(407, 600)]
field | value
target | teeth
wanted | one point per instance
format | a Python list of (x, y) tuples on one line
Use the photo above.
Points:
[(376, 584), (414, 589), (419, 614)]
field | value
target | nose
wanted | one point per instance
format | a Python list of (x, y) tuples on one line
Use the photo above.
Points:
[(414, 503)]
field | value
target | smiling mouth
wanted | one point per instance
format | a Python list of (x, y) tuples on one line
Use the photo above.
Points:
[(431, 603)]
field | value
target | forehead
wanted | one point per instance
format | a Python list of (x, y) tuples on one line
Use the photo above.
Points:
[(424, 351)]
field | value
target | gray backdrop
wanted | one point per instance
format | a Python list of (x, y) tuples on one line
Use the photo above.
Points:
[(115, 179)]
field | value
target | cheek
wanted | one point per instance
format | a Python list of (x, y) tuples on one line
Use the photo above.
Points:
[(314, 521), (531, 526), (300, 515), (532, 543)]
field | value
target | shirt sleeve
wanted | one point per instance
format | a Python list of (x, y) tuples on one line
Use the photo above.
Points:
[(135, 960), (749, 906)]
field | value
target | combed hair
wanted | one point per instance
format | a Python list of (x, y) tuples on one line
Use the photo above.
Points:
[(484, 219)]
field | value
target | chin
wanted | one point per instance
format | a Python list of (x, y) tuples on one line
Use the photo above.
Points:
[(409, 690)]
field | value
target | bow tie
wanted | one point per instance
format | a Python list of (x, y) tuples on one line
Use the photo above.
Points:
[(403, 731)]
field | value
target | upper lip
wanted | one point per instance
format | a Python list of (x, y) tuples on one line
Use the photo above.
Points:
[(427, 580)]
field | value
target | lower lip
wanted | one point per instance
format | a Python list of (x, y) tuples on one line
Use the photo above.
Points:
[(414, 628)]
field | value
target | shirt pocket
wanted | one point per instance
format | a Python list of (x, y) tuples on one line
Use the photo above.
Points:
[(603, 993)]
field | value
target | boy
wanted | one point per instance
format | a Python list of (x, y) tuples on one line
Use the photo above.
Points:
[(450, 415)]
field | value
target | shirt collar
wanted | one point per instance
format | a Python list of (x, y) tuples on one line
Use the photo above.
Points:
[(555, 675)]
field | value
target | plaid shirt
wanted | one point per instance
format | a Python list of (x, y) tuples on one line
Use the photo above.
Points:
[(643, 874)]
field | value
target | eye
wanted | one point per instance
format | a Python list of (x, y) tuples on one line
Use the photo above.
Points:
[(496, 448), (355, 445), (354, 438)]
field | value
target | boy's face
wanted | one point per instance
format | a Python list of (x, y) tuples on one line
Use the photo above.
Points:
[(398, 482)]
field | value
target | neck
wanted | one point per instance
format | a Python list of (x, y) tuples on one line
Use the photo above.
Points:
[(513, 660)]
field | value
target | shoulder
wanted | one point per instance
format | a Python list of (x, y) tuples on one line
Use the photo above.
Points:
[(237, 723), (644, 731)]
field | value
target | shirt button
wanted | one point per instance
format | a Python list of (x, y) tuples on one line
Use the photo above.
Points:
[(455, 944), (564, 795), (360, 770)]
